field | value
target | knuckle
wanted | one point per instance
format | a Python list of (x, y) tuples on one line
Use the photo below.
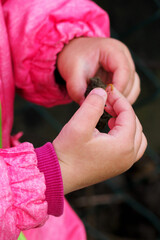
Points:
[(126, 68), (121, 45), (116, 42), (125, 49)]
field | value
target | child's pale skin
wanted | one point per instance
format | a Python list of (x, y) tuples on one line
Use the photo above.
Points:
[(82, 58), (87, 156)]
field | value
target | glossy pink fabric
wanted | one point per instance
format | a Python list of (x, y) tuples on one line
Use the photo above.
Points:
[(66, 227), (32, 33), (22, 191)]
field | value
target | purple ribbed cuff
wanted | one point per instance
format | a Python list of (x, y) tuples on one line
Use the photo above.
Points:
[(48, 164)]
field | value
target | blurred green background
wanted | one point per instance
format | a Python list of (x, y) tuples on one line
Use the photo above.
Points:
[(128, 206)]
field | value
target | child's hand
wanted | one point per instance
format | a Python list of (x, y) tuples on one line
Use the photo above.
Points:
[(88, 156), (82, 58)]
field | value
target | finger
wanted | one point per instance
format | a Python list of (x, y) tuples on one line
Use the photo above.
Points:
[(84, 66), (140, 142), (138, 136), (87, 116), (135, 91), (117, 63), (125, 123), (129, 86), (76, 86), (142, 148), (109, 109), (132, 71), (111, 123)]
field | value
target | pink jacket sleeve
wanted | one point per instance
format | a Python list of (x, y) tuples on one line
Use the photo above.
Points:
[(31, 187), (37, 32), (22, 195)]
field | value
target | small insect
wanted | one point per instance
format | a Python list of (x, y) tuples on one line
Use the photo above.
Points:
[(111, 85), (94, 83)]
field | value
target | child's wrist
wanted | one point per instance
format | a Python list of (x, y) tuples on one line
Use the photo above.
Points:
[(67, 171)]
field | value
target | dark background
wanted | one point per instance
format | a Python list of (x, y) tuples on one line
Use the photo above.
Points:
[(126, 207)]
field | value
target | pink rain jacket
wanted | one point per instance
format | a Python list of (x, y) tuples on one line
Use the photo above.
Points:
[(32, 33)]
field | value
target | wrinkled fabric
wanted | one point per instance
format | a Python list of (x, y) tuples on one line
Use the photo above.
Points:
[(38, 30), (32, 33), (22, 191), (66, 227)]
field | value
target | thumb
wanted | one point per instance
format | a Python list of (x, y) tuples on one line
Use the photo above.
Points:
[(76, 88), (89, 113)]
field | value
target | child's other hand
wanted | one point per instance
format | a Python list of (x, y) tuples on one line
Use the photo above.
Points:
[(82, 58), (88, 156)]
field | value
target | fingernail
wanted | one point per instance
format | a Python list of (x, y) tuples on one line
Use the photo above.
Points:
[(101, 92)]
